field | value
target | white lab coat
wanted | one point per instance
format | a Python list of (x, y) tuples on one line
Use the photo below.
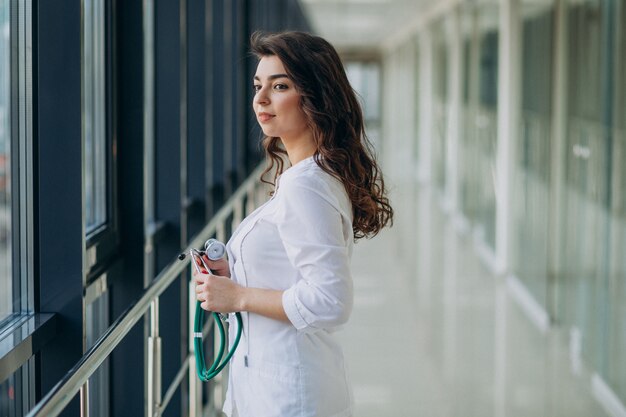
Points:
[(300, 241)]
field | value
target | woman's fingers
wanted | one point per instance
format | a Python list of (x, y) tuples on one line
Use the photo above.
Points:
[(202, 287), (217, 293), (197, 268), (201, 290), (201, 278)]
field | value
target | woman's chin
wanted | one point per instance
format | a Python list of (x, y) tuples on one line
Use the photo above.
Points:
[(268, 132)]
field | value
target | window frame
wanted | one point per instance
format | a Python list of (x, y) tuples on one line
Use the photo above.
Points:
[(102, 243), (21, 162), (22, 333)]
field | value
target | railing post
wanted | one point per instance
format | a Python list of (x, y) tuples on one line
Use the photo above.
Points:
[(250, 199), (195, 386), (217, 383), (84, 399), (238, 212), (154, 362), (220, 232)]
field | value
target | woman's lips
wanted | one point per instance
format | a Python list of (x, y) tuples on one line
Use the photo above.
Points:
[(264, 117)]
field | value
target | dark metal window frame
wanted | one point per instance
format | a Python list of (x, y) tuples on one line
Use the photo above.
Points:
[(23, 333), (56, 270), (102, 244)]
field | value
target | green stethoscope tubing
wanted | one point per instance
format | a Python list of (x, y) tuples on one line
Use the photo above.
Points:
[(203, 373), (214, 250)]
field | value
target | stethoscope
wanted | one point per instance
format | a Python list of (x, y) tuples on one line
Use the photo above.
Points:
[(214, 250)]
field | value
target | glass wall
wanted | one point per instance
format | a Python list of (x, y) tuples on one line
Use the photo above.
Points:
[(364, 77), (467, 160), (592, 274), (6, 280), (17, 389), (478, 138), (486, 126), (16, 393), (531, 205), (583, 275), (572, 261), (440, 103), (616, 360), (591, 226)]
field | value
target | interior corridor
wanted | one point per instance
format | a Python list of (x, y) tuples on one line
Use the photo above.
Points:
[(465, 348)]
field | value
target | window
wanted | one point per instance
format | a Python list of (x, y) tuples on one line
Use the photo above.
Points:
[(364, 77), (94, 115), (98, 126), (16, 379), (98, 178), (7, 289), (16, 394), (15, 144), (97, 322)]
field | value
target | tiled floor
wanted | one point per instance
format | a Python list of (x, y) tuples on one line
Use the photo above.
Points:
[(434, 333)]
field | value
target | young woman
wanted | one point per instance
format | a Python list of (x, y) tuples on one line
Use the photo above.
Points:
[(288, 268)]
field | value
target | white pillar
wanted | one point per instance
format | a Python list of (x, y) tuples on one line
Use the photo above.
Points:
[(509, 100)]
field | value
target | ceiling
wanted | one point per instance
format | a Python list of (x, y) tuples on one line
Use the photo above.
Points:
[(362, 25)]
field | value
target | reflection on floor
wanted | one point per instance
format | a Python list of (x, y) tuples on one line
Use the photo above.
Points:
[(433, 333)]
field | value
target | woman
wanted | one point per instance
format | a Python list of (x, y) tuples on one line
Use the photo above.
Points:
[(288, 266)]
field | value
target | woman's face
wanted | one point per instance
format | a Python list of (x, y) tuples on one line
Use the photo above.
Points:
[(277, 102)]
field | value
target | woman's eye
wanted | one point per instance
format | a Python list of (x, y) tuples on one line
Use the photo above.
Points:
[(281, 87), (256, 88)]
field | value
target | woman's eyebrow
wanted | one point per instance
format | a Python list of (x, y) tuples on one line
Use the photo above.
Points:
[(272, 77)]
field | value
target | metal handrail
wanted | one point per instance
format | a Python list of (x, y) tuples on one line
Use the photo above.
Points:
[(64, 391)]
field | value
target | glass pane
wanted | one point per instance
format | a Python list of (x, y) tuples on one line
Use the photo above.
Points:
[(6, 287), (365, 79), (97, 322), (94, 113), (16, 392), (583, 276), (477, 145), (485, 125), (617, 276), (440, 104), (467, 164), (532, 176)]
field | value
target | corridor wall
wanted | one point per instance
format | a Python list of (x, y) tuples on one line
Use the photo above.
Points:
[(536, 173)]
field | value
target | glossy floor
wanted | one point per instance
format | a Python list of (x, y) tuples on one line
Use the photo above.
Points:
[(434, 333)]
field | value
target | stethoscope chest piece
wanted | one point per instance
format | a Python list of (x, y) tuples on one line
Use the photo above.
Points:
[(214, 249)]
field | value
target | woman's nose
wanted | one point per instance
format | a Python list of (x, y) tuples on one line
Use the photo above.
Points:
[(261, 97)]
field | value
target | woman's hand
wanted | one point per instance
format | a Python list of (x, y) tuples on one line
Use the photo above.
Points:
[(220, 267), (218, 293)]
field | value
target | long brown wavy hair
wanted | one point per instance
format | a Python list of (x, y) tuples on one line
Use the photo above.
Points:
[(336, 119)]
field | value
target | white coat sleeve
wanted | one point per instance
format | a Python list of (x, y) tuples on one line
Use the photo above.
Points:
[(312, 230)]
